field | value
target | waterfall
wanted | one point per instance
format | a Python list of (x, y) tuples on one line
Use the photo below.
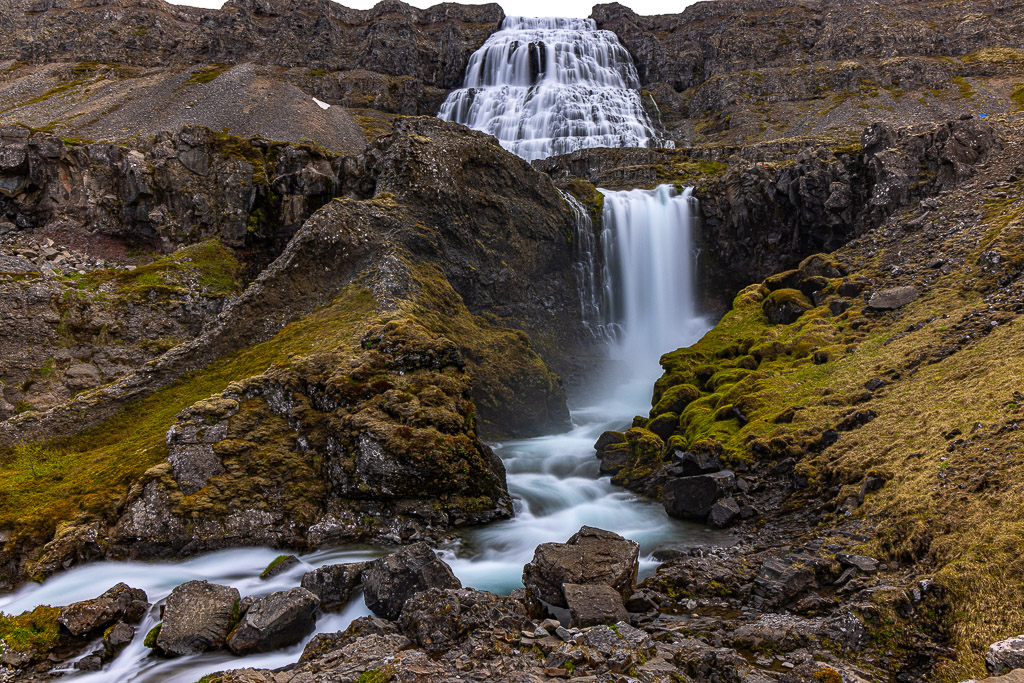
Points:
[(548, 85), (649, 299), (587, 268)]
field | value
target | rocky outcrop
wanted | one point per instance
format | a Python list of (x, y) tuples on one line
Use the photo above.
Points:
[(119, 604), (590, 557), (390, 581), (334, 584)]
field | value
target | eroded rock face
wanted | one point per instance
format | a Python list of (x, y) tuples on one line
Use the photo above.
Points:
[(197, 617), (275, 621), (390, 581), (119, 603), (590, 557)]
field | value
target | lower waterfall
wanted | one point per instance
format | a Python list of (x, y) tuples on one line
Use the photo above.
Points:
[(637, 295)]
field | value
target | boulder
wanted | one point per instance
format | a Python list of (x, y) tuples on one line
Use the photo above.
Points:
[(197, 617), (275, 621), (279, 565), (120, 603), (893, 298), (693, 463), (591, 556), (785, 306), (723, 513), (439, 620), (82, 376), (334, 583), (868, 565), (782, 579), (1015, 676), (391, 580), (1005, 655), (693, 497), (117, 639), (593, 604)]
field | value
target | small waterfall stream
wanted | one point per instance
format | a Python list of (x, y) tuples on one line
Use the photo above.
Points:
[(548, 85), (542, 86)]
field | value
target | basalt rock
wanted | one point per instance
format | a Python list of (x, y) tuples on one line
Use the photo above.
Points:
[(334, 584), (120, 603), (593, 604), (275, 621), (390, 581), (694, 497), (590, 557), (197, 617)]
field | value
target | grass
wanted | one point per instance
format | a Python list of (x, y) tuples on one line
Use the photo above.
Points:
[(92, 471), (37, 630), (1017, 96), (207, 74), (57, 90)]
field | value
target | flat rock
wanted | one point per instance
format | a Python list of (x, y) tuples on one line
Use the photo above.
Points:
[(593, 604), (197, 617), (275, 621), (592, 556), (893, 298), (1015, 676), (868, 565), (120, 603), (391, 580), (334, 583)]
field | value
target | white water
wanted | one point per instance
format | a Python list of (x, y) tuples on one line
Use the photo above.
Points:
[(546, 86)]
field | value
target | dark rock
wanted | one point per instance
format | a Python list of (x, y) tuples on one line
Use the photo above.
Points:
[(391, 580), (693, 463), (868, 565), (120, 603), (614, 458), (593, 604), (693, 497), (117, 638), (439, 620), (893, 298), (781, 580), (279, 566), (197, 617), (334, 584), (607, 439), (875, 384), (91, 662), (723, 513), (275, 621), (785, 306), (664, 425), (590, 556)]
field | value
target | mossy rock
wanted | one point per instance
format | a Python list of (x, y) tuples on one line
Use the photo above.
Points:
[(789, 279), (154, 633), (821, 265), (664, 425), (785, 306), (644, 446), (725, 378), (675, 399)]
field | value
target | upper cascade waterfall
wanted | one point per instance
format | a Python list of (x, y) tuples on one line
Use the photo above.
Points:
[(549, 85), (649, 283)]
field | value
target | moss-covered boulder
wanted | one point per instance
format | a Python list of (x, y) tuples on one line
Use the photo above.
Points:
[(785, 306)]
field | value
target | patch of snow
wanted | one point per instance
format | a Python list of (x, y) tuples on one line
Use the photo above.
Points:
[(323, 105)]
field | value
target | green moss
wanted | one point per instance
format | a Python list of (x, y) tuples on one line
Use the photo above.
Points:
[(36, 631), (675, 399), (210, 265), (57, 90), (1017, 96), (964, 89), (207, 74), (381, 675), (154, 633), (273, 564)]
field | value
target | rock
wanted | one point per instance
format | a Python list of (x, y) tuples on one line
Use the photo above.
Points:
[(334, 583), (693, 497), (593, 604), (781, 580), (785, 306), (1015, 676), (439, 620), (275, 621), (278, 566), (197, 617), (1005, 655), (117, 638), (119, 603), (393, 579), (893, 298), (607, 439), (693, 463), (590, 556), (868, 565), (723, 513), (81, 376)]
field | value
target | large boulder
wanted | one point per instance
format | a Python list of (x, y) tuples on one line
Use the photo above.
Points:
[(391, 580), (119, 603), (334, 584), (591, 556), (197, 617), (892, 298), (1005, 655), (275, 621), (439, 620), (693, 497), (593, 604)]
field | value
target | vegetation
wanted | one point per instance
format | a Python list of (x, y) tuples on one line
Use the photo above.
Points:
[(206, 74), (35, 631)]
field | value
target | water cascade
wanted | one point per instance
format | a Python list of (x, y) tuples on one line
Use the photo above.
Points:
[(546, 86), (587, 267)]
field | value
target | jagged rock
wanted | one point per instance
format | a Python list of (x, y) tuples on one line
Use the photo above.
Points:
[(439, 620), (693, 463), (590, 556), (117, 638), (723, 513), (393, 579), (279, 566), (893, 298), (334, 584), (197, 617), (593, 604), (693, 497), (1015, 676), (781, 580), (275, 621), (82, 376), (119, 603), (868, 565), (1005, 655)]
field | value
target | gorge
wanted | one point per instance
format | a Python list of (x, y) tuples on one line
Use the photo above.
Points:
[(687, 341)]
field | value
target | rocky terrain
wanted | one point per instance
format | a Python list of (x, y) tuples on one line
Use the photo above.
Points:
[(234, 314)]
